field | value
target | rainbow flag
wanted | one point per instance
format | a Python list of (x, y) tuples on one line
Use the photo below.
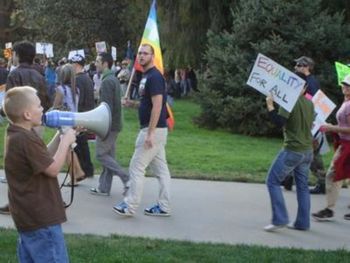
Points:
[(151, 36)]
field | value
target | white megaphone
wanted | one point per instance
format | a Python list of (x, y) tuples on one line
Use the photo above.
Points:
[(97, 120)]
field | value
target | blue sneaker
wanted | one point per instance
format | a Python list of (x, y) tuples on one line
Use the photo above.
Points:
[(155, 211), (122, 209)]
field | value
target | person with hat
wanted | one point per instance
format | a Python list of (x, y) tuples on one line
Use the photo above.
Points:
[(339, 168), (86, 103), (305, 65)]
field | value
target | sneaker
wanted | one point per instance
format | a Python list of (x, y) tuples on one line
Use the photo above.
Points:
[(319, 189), (292, 226), (3, 179), (5, 210), (347, 217), (155, 211), (122, 209), (272, 227), (95, 191), (324, 215)]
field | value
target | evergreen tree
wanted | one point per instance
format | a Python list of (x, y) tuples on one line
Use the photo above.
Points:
[(281, 30)]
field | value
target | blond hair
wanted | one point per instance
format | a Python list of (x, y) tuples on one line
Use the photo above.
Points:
[(16, 101)]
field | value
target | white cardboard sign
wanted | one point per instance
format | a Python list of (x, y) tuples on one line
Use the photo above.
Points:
[(323, 108), (268, 77), (101, 47), (74, 52), (45, 49), (114, 53)]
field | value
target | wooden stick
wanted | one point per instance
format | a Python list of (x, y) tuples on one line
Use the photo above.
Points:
[(126, 96)]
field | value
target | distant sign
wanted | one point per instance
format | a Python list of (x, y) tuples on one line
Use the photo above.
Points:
[(114, 53), (45, 49), (268, 77), (8, 45), (74, 52), (101, 47)]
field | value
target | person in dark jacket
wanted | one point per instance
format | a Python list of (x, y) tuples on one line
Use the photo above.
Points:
[(110, 93), (86, 103), (25, 74)]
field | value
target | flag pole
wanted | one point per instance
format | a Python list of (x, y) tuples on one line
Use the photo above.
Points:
[(126, 96)]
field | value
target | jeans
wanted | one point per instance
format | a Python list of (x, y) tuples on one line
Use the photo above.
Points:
[(285, 163), (42, 245)]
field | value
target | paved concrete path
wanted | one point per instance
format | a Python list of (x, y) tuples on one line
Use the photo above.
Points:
[(202, 211)]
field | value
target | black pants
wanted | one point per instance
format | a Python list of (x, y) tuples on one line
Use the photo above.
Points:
[(83, 153)]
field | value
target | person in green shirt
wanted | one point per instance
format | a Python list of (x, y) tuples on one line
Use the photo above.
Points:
[(294, 158)]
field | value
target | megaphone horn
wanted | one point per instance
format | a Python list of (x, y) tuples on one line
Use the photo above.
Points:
[(97, 120)]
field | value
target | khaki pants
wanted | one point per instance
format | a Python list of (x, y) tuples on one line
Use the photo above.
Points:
[(155, 158)]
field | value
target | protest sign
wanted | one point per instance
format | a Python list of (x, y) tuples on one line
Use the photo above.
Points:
[(45, 49), (74, 52), (8, 45), (342, 71), (323, 108), (323, 105), (268, 77), (101, 47), (114, 53)]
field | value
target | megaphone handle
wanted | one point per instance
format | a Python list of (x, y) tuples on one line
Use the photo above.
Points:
[(63, 130)]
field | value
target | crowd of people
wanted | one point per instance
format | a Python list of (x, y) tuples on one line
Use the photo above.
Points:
[(301, 152), (31, 167)]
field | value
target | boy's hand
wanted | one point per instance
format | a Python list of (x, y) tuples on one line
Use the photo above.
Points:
[(68, 136)]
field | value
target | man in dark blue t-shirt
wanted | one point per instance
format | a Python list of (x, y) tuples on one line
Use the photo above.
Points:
[(151, 84), (151, 140)]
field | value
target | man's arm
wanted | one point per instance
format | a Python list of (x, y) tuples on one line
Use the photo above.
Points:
[(157, 102)]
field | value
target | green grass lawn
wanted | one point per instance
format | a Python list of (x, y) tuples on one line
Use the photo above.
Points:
[(192, 153), (197, 153), (89, 249)]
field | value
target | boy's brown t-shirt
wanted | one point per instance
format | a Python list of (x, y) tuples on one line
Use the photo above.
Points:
[(35, 198)]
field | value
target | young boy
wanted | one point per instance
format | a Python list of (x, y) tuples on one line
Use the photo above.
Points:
[(31, 169)]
